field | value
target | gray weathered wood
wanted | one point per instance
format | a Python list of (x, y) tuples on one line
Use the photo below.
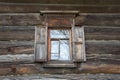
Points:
[(16, 47), (20, 19), (98, 19), (102, 47), (102, 33), (92, 47), (12, 8), (17, 58), (40, 44), (32, 19), (78, 44), (77, 2), (91, 33), (17, 50)]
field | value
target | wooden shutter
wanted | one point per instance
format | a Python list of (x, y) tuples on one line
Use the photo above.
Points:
[(41, 44), (78, 44)]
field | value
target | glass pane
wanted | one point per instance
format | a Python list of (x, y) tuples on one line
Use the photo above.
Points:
[(54, 56), (54, 50), (54, 46), (64, 50), (59, 33)]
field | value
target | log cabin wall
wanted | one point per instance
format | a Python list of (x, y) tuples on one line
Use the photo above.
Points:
[(17, 43)]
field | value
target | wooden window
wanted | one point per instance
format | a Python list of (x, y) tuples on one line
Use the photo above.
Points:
[(64, 43), (59, 43)]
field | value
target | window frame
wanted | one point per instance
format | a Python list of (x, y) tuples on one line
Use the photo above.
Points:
[(49, 42)]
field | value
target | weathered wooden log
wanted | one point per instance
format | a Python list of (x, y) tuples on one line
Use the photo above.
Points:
[(20, 16), (100, 68), (91, 33), (17, 50), (102, 47), (101, 37), (96, 58), (37, 68), (102, 33), (33, 19), (92, 47), (17, 28), (97, 19), (80, 2), (17, 32), (17, 58), (103, 58), (20, 22), (102, 50), (110, 30), (33, 8), (5, 71), (20, 19), (7, 44), (13, 47), (16, 35)]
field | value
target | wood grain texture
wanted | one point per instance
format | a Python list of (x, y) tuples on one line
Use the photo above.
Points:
[(102, 47), (80, 2), (32, 68), (94, 48), (16, 47), (102, 33), (21, 19), (98, 19), (33, 19), (22, 8), (40, 44), (18, 33)]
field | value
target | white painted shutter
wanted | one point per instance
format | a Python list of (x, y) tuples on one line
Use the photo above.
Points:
[(41, 44), (78, 44)]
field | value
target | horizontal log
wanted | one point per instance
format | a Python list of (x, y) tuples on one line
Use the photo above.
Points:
[(80, 2), (22, 35), (102, 47), (97, 19), (16, 47), (101, 68), (101, 37), (96, 58), (37, 68), (5, 71), (103, 58), (17, 28), (17, 50), (17, 32), (102, 33), (92, 47), (21, 19), (17, 58), (17, 35), (103, 51), (20, 16), (20, 22), (13, 8), (33, 19), (27, 33), (102, 30), (7, 44)]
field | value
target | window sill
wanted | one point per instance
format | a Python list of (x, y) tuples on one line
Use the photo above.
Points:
[(55, 64)]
